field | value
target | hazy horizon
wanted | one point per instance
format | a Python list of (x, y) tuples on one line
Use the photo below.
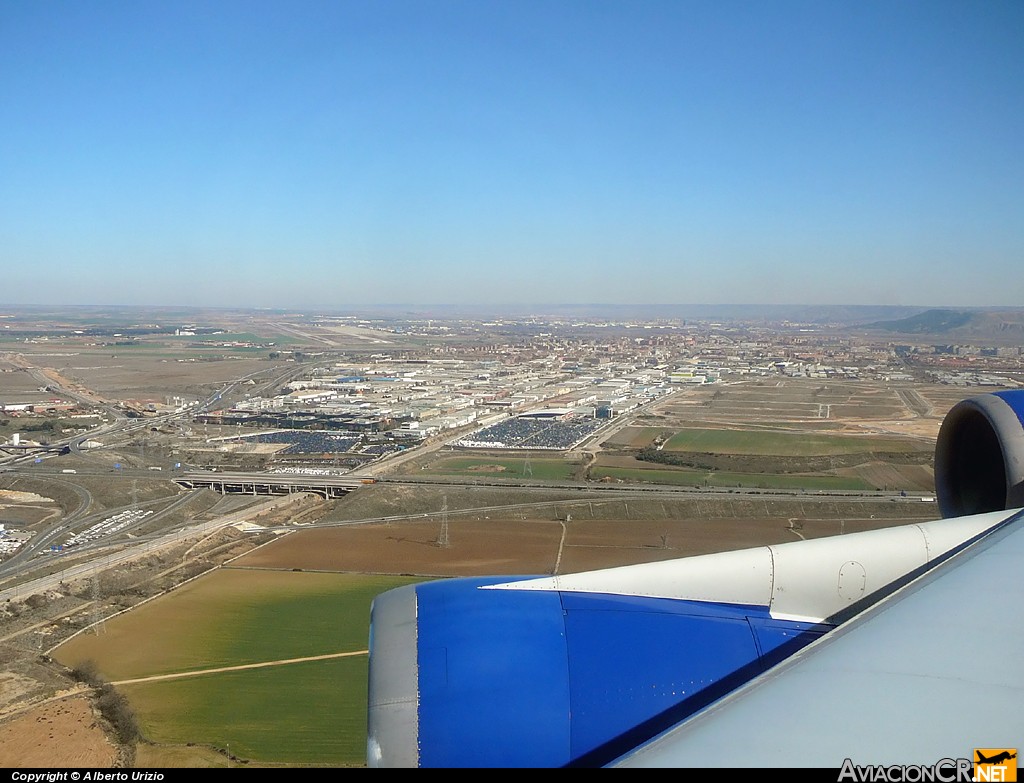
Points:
[(652, 311), (558, 153)]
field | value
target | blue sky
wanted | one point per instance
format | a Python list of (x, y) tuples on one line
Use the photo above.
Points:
[(324, 154)]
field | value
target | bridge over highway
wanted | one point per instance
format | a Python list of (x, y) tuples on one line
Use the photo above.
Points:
[(272, 483)]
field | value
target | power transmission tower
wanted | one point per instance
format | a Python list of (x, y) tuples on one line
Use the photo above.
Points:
[(442, 539), (98, 624)]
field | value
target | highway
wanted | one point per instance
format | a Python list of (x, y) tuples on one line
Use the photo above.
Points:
[(25, 558), (122, 547), (120, 553), (124, 425), (50, 534)]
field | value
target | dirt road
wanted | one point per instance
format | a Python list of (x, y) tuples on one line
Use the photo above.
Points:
[(262, 665)]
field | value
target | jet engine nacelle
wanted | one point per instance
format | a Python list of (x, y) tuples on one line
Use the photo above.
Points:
[(979, 455)]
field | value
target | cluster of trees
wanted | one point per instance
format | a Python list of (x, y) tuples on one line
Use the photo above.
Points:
[(113, 706), (49, 426), (679, 460), (52, 426)]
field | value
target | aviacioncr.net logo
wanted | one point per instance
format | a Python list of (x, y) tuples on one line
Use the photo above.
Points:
[(995, 765), (942, 771)]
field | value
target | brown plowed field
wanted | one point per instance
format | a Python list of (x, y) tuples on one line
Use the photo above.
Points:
[(530, 546), (62, 733)]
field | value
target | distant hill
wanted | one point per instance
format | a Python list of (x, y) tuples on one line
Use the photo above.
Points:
[(928, 322), (957, 324), (950, 323)]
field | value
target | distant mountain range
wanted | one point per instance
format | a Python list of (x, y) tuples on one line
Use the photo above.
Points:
[(1002, 324), (897, 319), (957, 324)]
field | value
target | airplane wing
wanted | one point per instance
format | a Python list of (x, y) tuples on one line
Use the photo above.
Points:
[(929, 673), (652, 665)]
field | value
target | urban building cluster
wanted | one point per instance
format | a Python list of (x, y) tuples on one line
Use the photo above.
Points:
[(470, 375)]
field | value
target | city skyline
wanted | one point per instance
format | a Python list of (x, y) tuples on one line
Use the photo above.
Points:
[(337, 154)]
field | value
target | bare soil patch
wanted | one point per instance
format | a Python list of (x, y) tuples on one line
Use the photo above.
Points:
[(62, 733), (152, 378), (475, 547)]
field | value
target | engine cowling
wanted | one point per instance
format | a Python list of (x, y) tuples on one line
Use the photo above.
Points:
[(979, 455)]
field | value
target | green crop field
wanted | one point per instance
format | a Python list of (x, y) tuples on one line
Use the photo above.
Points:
[(782, 444), (311, 713), (293, 713), (503, 467), (697, 478)]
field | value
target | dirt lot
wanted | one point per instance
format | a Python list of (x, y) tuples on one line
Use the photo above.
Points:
[(63, 733), (147, 370)]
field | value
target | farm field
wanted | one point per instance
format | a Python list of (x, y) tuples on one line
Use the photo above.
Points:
[(789, 399), (292, 713), (761, 472), (16, 384), (502, 467), (782, 434), (599, 533), (683, 477), (299, 714), (727, 441), (802, 404), (139, 374)]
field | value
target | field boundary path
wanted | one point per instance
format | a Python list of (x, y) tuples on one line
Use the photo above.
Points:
[(240, 667)]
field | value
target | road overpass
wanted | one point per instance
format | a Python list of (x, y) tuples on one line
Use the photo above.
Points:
[(271, 483)]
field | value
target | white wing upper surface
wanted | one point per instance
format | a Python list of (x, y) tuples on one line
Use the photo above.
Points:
[(931, 672)]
